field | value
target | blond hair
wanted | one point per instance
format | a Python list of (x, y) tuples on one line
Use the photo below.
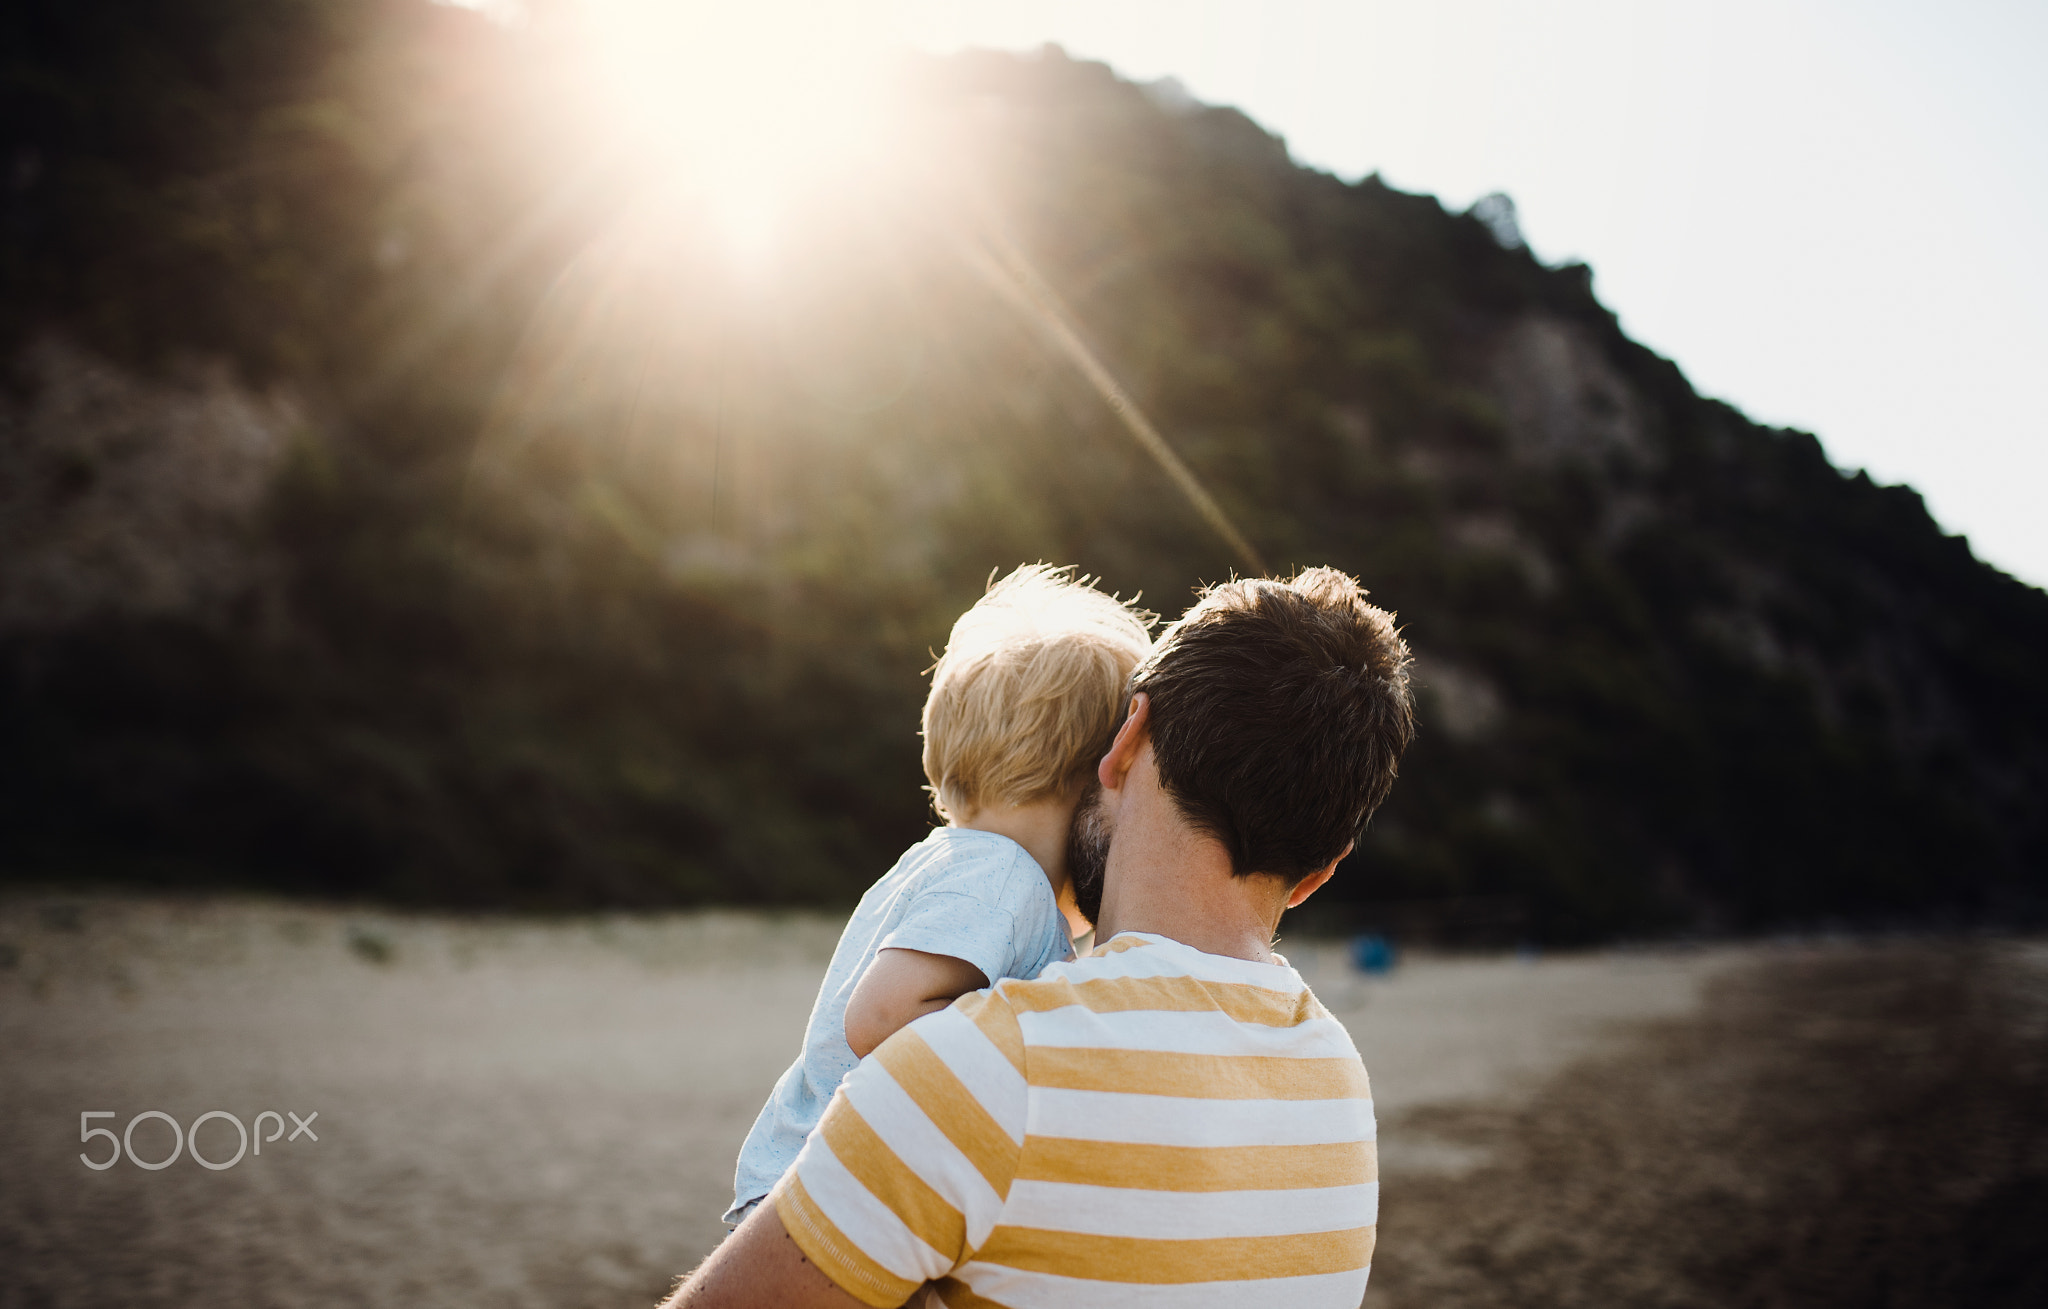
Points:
[(1029, 691)]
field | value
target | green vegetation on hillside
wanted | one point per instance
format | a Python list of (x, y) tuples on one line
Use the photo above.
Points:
[(592, 569)]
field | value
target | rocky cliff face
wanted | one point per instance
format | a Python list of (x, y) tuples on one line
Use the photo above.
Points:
[(121, 496)]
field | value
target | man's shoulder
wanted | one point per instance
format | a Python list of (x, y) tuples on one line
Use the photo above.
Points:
[(1142, 962), (1133, 980), (1137, 994)]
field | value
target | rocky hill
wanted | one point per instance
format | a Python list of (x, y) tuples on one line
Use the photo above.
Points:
[(404, 495)]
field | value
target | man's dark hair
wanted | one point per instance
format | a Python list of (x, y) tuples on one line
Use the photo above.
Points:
[(1279, 711)]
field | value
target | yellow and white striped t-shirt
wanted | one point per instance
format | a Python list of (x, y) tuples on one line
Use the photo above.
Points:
[(1149, 1126)]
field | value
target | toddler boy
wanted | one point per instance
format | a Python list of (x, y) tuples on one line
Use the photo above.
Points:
[(1023, 704)]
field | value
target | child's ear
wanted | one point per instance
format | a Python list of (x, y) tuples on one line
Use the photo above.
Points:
[(1130, 739)]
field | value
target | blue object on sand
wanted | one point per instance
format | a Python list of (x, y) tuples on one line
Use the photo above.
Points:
[(1373, 954)]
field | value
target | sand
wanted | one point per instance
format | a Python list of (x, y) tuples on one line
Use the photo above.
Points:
[(546, 1113), (1857, 1124)]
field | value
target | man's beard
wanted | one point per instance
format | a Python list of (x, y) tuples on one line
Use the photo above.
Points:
[(1088, 851)]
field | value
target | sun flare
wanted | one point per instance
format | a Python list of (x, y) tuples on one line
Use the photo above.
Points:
[(741, 108)]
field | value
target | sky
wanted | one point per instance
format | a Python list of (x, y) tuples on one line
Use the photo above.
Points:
[(1831, 215)]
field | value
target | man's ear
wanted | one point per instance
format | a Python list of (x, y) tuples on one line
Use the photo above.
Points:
[(1130, 740), (1306, 887)]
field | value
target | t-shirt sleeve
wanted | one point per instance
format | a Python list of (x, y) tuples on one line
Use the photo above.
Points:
[(979, 910), (905, 1175)]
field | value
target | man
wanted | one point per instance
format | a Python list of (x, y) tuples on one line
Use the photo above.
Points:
[(1174, 1120)]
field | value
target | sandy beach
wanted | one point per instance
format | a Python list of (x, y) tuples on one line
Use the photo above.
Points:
[(534, 1113)]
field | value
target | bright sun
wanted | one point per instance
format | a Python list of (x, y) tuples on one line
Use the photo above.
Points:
[(742, 106)]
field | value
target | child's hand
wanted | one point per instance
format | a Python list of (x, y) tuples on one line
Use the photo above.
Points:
[(901, 985)]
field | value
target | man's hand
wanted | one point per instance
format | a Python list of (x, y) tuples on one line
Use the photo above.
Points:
[(759, 1267), (900, 986)]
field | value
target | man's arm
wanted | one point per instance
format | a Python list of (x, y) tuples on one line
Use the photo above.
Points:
[(901, 1179), (759, 1267), (901, 986)]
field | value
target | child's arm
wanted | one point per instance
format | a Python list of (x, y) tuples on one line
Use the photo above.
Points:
[(901, 985)]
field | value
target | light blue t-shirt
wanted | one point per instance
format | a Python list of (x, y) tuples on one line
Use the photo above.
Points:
[(972, 895)]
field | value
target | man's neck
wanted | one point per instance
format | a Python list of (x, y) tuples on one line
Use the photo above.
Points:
[(1170, 879)]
